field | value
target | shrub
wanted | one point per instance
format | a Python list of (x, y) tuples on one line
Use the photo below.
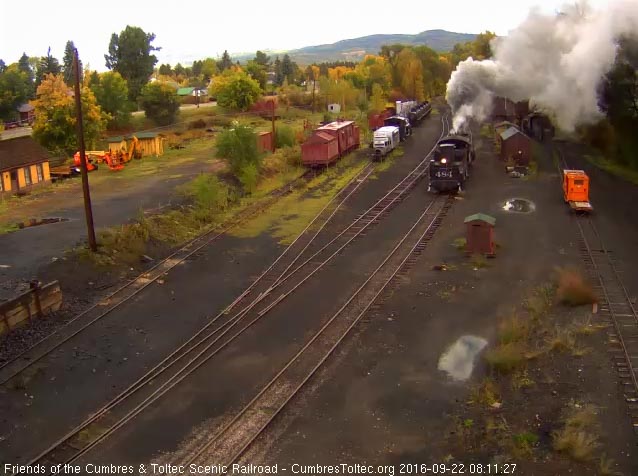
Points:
[(284, 136), (573, 289), (160, 103), (506, 358), (578, 438), (207, 192), (249, 176), (239, 146)]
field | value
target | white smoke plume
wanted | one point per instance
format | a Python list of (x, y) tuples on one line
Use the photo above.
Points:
[(555, 61)]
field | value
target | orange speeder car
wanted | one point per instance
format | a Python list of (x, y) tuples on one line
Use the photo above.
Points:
[(576, 190)]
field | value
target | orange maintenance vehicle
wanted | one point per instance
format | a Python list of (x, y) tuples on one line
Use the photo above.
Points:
[(576, 190)]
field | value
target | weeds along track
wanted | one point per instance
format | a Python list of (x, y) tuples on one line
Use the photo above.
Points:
[(228, 325), (615, 305), (229, 442), (127, 291)]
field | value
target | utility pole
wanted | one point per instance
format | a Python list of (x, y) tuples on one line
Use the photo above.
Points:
[(272, 102), (88, 211)]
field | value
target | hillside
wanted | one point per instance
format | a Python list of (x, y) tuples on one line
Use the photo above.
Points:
[(356, 48)]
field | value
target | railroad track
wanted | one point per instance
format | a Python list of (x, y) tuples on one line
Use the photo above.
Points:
[(225, 327), (127, 291), (230, 442), (615, 305)]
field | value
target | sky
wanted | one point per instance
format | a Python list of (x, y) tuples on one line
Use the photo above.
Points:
[(198, 29)]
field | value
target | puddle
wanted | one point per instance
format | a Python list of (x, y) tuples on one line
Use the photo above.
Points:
[(518, 205), (458, 360)]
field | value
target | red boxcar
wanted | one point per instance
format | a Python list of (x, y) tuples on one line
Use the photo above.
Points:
[(346, 133), (264, 142), (320, 149), (376, 120)]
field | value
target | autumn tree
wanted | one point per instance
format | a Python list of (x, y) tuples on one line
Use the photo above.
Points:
[(235, 90), (209, 69), (15, 89), (377, 98), (130, 54), (47, 65), (410, 71), (55, 122), (111, 93), (160, 103)]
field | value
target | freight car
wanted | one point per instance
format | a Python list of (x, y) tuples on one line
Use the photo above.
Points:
[(419, 112), (385, 140), (450, 165), (330, 142), (403, 123)]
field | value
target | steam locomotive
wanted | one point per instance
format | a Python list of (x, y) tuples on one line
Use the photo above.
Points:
[(452, 159)]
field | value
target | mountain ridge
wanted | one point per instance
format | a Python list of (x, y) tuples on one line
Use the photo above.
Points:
[(354, 49)]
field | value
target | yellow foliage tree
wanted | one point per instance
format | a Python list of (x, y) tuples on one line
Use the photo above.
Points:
[(410, 71), (377, 99), (55, 123)]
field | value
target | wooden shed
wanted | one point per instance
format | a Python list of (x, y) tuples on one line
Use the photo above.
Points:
[(27, 113), (150, 143), (264, 141), (116, 144), (24, 164), (479, 234), (515, 146), (320, 149)]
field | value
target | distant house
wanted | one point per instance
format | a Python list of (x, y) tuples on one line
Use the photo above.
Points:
[(24, 164), (192, 95), (26, 112), (334, 108)]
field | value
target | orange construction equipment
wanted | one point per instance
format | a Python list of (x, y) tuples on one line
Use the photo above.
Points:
[(576, 190), (99, 156)]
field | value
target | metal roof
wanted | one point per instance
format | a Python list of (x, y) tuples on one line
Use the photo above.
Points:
[(512, 131), (387, 129), (26, 107), (334, 126), (185, 91), (111, 140), (21, 151), (143, 135), (480, 217), (322, 137)]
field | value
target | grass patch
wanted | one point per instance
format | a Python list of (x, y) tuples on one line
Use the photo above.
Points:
[(579, 436), (460, 244), (573, 289), (478, 261), (521, 379), (291, 214), (524, 444), (8, 228), (485, 394), (486, 131), (506, 358), (614, 168), (540, 301)]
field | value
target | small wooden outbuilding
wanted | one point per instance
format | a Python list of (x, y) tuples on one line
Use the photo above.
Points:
[(479, 234), (150, 143), (264, 141), (117, 144), (515, 146), (27, 113)]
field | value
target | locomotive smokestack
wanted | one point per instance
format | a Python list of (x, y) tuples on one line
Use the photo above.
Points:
[(556, 61)]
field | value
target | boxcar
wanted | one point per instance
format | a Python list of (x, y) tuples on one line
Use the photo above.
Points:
[(346, 133), (320, 149)]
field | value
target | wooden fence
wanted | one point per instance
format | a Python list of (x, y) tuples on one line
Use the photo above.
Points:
[(32, 304)]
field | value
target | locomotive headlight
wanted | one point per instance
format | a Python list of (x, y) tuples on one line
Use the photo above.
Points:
[(444, 161)]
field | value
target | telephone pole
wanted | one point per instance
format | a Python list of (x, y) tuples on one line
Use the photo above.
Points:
[(88, 211)]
